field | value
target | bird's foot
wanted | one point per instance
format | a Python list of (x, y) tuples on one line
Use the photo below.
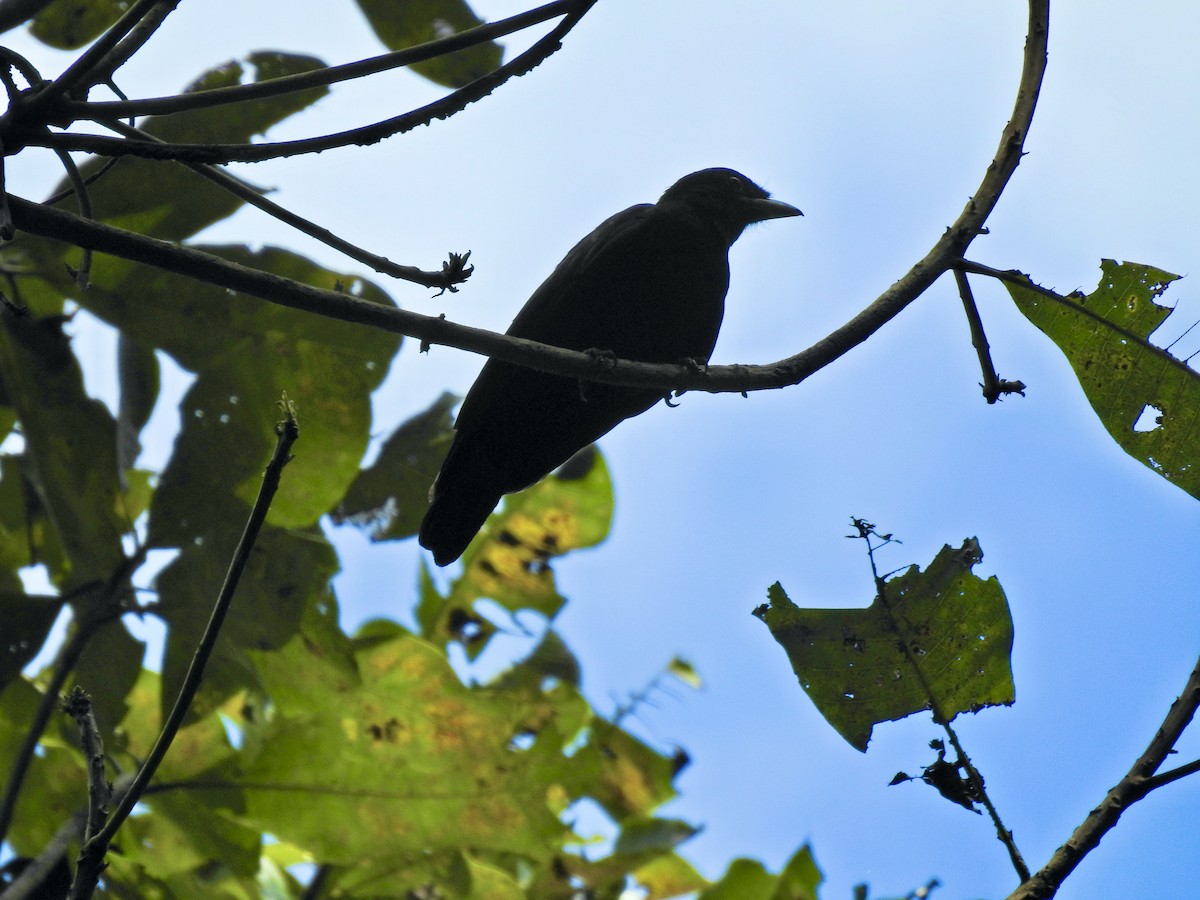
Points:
[(696, 364)]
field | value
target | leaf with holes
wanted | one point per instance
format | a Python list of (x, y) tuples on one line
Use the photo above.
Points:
[(939, 639), (1148, 399), (508, 562)]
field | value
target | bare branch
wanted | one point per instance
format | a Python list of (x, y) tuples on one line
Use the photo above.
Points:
[(214, 154), (447, 279), (944, 255), (1137, 783), (130, 44), (29, 884), (993, 386), (76, 74), (78, 705), (288, 84)]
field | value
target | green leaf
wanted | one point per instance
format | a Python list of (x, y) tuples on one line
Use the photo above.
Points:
[(745, 879), (552, 658), (27, 621), (55, 785), (138, 377), (748, 879), (685, 672), (668, 875), (166, 199), (288, 573), (650, 835), (626, 776), (247, 353), (401, 25), (391, 496), (852, 662), (26, 535), (508, 561), (402, 760), (198, 749), (108, 669), (183, 834), (70, 440), (800, 877), (1144, 396), (69, 24)]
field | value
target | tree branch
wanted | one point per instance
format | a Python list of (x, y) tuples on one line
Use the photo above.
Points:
[(77, 73), (78, 705), (217, 154), (29, 885), (945, 254), (994, 387), (131, 43), (288, 84), (1136, 784), (453, 273)]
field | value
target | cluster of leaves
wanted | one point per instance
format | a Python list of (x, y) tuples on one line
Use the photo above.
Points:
[(365, 755)]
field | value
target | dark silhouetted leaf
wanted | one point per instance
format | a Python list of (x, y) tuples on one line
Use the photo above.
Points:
[(392, 495), (70, 440), (27, 621)]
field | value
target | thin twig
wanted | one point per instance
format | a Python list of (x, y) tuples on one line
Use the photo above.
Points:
[(980, 792), (79, 189), (28, 885), (104, 70), (447, 279), (78, 705), (324, 77), (91, 858), (993, 386), (217, 154), (1071, 302), (91, 179), (27, 69), (68, 656), (1137, 783), (76, 74), (867, 531)]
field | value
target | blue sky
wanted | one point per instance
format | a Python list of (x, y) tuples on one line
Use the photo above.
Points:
[(877, 119)]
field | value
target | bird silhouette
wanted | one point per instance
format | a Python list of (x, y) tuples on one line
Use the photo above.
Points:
[(649, 285)]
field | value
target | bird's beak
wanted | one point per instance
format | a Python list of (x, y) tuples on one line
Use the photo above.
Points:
[(763, 209)]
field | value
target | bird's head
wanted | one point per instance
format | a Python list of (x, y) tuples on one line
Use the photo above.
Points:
[(728, 199)]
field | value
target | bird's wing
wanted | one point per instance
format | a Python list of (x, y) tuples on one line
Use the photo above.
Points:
[(561, 299)]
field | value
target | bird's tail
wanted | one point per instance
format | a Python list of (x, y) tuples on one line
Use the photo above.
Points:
[(463, 498)]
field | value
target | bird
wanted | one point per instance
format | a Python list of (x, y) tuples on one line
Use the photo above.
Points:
[(648, 285)]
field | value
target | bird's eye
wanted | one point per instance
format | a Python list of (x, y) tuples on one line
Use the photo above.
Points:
[(736, 182)]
